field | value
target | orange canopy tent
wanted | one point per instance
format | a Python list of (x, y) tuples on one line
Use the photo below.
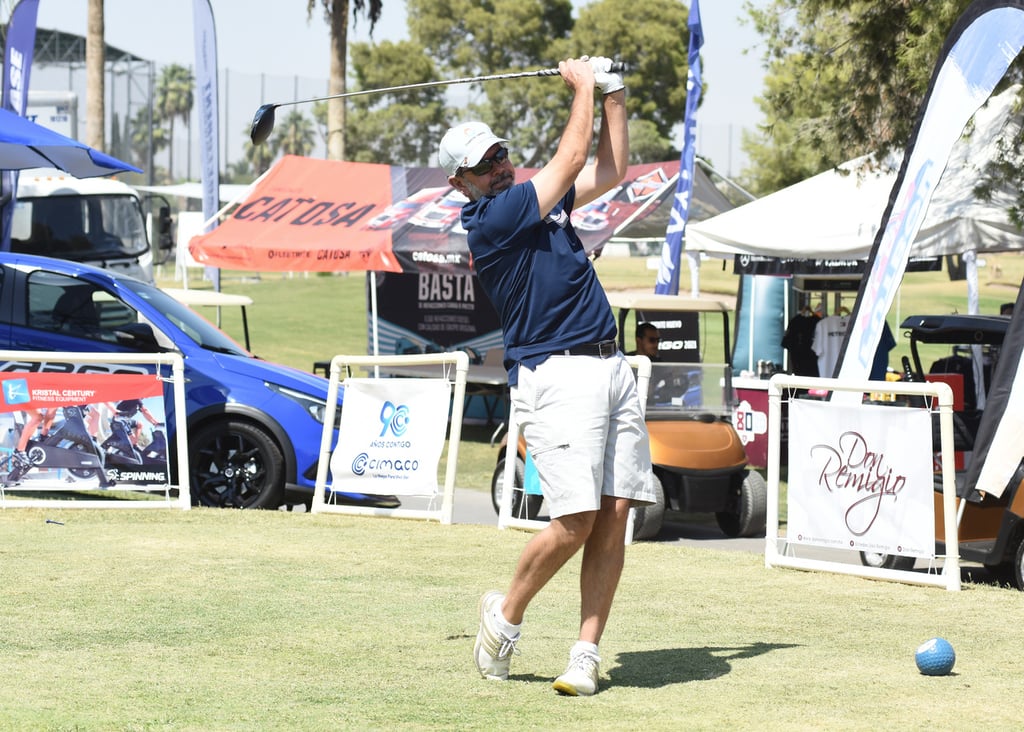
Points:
[(310, 215), (306, 215)]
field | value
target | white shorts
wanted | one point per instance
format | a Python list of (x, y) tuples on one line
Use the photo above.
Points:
[(584, 429)]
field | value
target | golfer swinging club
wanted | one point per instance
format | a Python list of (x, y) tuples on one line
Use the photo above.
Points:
[(574, 393)]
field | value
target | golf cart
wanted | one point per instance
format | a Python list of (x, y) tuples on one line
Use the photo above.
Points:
[(991, 530), (699, 461)]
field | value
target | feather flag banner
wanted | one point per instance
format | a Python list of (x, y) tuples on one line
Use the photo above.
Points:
[(667, 282)]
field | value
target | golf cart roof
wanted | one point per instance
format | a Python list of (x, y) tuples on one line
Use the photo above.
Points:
[(957, 329), (214, 298), (678, 303), (210, 298)]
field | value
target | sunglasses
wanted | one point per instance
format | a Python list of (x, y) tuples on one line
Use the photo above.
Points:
[(484, 166)]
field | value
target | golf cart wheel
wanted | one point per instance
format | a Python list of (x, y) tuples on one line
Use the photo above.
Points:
[(523, 506), (1018, 566), (750, 517), (235, 464), (648, 520), (886, 561)]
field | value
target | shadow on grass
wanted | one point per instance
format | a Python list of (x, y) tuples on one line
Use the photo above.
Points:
[(654, 669)]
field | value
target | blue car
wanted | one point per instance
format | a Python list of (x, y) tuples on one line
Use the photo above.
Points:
[(254, 427)]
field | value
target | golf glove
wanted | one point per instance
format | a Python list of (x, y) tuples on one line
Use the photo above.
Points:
[(605, 79)]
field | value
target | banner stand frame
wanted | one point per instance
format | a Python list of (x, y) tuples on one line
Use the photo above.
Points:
[(177, 381), (460, 360), (949, 577)]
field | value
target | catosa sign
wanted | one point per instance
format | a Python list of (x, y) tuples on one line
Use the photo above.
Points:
[(306, 215)]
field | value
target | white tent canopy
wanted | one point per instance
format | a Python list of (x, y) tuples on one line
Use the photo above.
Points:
[(835, 215), (194, 189)]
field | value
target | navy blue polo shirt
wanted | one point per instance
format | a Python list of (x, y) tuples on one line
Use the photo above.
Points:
[(537, 274)]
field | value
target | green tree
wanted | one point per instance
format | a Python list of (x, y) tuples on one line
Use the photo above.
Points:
[(844, 78), (647, 145), (336, 16), (294, 135), (140, 130), (174, 100), (477, 37), (257, 157), (399, 127), (653, 39), (239, 171), (480, 37)]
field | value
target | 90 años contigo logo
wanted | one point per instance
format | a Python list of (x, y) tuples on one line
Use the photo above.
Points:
[(850, 466), (394, 419)]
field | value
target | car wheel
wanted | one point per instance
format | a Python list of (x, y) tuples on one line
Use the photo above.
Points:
[(750, 516), (523, 506), (648, 520), (235, 464), (886, 561)]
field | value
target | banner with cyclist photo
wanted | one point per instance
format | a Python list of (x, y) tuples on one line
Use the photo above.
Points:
[(82, 431)]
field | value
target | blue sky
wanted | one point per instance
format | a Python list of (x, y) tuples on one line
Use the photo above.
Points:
[(272, 37)]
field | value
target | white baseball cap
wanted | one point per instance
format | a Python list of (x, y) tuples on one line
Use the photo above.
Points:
[(464, 145)]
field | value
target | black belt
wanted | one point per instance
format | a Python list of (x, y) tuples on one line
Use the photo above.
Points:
[(602, 349)]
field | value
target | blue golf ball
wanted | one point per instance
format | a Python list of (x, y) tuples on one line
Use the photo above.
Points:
[(935, 657)]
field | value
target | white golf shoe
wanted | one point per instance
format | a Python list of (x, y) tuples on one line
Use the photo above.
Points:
[(493, 649), (580, 678)]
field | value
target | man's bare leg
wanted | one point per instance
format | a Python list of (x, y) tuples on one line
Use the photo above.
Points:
[(603, 556), (542, 557)]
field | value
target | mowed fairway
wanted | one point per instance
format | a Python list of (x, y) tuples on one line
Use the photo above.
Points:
[(231, 620)]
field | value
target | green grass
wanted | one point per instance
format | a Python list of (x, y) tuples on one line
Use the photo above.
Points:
[(234, 620)]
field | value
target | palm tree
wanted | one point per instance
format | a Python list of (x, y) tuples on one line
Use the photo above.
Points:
[(95, 60), (295, 136), (258, 157), (174, 99), (336, 15), (238, 172), (138, 135)]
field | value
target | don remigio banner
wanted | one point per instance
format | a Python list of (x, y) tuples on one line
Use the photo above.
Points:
[(860, 478)]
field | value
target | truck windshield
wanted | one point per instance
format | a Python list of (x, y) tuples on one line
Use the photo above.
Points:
[(80, 228)]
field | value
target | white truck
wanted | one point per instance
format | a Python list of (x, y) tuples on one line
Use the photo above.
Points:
[(57, 110), (99, 221)]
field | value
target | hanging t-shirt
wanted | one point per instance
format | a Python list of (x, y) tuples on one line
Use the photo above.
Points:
[(799, 341), (828, 340)]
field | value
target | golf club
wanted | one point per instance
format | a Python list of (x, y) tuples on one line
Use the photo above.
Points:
[(263, 120)]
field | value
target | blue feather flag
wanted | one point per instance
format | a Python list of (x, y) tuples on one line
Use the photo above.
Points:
[(667, 282)]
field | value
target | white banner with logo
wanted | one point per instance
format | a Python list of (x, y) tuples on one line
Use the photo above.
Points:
[(860, 478), (391, 436)]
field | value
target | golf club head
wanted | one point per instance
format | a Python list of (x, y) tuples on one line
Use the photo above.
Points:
[(262, 124)]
